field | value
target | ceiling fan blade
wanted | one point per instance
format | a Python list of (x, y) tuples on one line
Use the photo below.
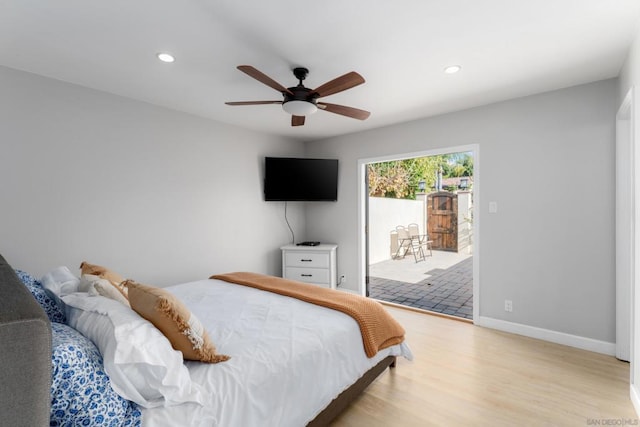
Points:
[(339, 84), (263, 78), (297, 120), (354, 113), (253, 102)]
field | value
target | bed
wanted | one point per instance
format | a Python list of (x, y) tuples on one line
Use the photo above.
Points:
[(281, 361)]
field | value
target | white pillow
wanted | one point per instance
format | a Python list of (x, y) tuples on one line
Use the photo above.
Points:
[(138, 358), (96, 285), (60, 281), (106, 289), (86, 283)]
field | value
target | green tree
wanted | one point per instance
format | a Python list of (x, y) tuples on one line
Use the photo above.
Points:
[(388, 179), (459, 164), (401, 178)]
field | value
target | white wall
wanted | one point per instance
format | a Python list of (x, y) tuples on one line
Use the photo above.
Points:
[(157, 195), (465, 224), (550, 247), (385, 214)]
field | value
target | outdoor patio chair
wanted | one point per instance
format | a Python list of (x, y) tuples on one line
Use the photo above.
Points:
[(419, 242), (404, 242)]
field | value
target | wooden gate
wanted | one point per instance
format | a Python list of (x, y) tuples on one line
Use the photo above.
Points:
[(442, 220)]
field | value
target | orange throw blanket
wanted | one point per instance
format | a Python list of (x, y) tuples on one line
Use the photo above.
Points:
[(379, 330)]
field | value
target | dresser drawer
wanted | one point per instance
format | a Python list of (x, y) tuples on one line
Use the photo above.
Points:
[(306, 259), (308, 275)]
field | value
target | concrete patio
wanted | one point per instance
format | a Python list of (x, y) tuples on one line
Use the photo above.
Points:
[(443, 283)]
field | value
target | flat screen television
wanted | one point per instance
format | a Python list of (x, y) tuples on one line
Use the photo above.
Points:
[(301, 180)]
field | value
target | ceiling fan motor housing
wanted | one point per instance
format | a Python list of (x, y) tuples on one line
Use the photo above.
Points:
[(300, 100), (301, 103), (300, 93)]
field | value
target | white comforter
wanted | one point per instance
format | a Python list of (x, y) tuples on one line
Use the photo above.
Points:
[(289, 359)]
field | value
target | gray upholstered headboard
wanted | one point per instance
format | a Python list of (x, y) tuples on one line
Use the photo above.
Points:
[(25, 354)]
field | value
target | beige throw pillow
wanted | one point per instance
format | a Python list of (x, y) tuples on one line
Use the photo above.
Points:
[(175, 321), (103, 272)]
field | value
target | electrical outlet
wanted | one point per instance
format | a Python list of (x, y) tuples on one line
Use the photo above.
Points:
[(508, 305)]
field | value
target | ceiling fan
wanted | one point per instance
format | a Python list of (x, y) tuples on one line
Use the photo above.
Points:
[(300, 101)]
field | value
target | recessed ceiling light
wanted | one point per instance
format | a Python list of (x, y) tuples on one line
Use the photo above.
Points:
[(165, 57), (451, 69)]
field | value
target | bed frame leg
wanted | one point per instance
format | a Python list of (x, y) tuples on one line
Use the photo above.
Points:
[(393, 364)]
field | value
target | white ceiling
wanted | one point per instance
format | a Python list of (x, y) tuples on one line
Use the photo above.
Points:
[(507, 48)]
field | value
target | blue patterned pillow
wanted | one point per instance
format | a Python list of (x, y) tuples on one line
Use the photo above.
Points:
[(55, 313), (81, 393)]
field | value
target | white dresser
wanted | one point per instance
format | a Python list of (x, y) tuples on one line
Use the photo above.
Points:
[(311, 264)]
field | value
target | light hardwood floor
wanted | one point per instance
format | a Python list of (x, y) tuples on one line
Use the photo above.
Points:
[(467, 375)]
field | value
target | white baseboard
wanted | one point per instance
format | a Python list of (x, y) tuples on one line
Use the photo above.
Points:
[(576, 341), (635, 398)]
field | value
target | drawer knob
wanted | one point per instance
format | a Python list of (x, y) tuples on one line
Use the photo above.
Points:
[(306, 260), (307, 275)]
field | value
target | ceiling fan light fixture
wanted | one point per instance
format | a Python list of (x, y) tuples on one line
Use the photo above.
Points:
[(299, 108)]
